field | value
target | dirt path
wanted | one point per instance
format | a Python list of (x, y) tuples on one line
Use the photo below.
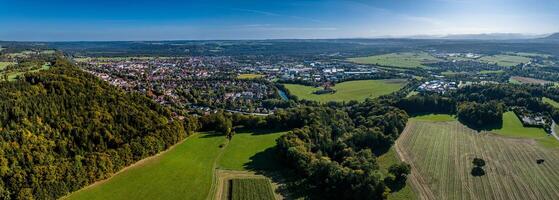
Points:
[(419, 184), (553, 130)]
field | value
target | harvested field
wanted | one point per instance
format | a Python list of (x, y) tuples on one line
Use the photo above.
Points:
[(520, 79), (441, 155)]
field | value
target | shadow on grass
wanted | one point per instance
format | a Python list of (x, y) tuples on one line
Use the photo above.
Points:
[(212, 135), (485, 127), (258, 131), (268, 163)]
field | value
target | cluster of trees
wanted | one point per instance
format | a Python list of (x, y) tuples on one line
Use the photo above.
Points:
[(62, 129), (480, 114), (481, 105), (333, 149)]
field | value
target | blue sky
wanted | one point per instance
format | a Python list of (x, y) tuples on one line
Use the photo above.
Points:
[(65, 20)]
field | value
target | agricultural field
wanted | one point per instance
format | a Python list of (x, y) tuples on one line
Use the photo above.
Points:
[(186, 167), (505, 60), (435, 117), (551, 102), (526, 54), (350, 90), (250, 76), (441, 155), (521, 80), (400, 60), (491, 71), (189, 166), (251, 189)]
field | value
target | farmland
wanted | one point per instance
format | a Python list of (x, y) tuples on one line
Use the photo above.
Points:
[(251, 189), (347, 91), (505, 60), (400, 60), (189, 166), (441, 156), (250, 76), (520, 80)]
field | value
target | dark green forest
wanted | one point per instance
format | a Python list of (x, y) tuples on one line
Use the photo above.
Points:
[(62, 129)]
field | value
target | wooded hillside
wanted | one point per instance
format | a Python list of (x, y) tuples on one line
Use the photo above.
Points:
[(62, 129)]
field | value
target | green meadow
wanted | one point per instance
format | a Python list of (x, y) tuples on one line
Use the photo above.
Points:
[(505, 60), (551, 102), (3, 65), (400, 60), (250, 150), (12, 75), (185, 171), (347, 91), (250, 76), (512, 127)]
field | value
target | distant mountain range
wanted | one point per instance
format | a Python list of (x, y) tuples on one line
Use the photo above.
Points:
[(554, 36), (483, 36)]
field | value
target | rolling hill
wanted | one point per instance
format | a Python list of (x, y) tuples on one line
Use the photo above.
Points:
[(62, 129)]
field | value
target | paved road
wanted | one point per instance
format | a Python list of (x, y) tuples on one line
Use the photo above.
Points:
[(553, 130)]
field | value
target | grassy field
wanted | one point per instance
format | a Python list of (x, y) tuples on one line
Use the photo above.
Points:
[(401, 60), (435, 117), (251, 189), (525, 54), (512, 127), (250, 151), (3, 65), (505, 60), (551, 102), (441, 155), (250, 76), (347, 91), (12, 75), (184, 172), (491, 71), (385, 161), (521, 80)]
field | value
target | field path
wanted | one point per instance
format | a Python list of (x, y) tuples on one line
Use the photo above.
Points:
[(417, 181)]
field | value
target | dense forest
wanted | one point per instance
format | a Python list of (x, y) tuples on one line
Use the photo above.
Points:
[(333, 151), (62, 129)]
